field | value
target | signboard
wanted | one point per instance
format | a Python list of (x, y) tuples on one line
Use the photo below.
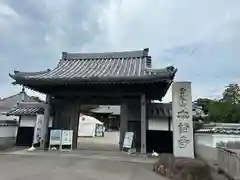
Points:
[(183, 145), (38, 130), (128, 140), (67, 136), (55, 137), (99, 131)]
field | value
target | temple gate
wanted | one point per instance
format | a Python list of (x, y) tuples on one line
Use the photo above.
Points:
[(114, 78)]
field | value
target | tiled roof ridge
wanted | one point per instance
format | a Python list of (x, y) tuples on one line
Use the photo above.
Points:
[(22, 73), (105, 55), (23, 91), (3, 99)]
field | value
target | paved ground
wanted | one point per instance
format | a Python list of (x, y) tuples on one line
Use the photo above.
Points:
[(22, 165), (109, 142)]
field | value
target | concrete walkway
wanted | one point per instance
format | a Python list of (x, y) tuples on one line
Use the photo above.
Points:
[(22, 165), (86, 154), (109, 142)]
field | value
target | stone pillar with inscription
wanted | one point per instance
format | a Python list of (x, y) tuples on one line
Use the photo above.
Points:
[(183, 144)]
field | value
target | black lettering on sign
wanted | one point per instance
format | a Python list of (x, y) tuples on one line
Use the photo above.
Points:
[(183, 100), (183, 141), (183, 127), (183, 114)]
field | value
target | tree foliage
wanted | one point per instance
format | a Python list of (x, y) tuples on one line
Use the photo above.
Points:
[(225, 110), (232, 94)]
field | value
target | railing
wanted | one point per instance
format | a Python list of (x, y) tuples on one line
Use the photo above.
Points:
[(229, 163)]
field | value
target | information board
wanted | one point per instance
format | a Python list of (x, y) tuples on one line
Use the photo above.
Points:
[(55, 137), (128, 140), (67, 136)]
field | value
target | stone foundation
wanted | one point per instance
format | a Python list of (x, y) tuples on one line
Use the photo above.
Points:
[(182, 168), (7, 142)]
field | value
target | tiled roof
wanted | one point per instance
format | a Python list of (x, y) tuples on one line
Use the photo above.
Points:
[(160, 110), (165, 110), (10, 102), (219, 130), (104, 67), (29, 111)]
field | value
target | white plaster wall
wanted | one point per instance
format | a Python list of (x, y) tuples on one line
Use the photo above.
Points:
[(29, 121), (158, 124), (204, 139), (211, 140), (8, 131), (225, 138)]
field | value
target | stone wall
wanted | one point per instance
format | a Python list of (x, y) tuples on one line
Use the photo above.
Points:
[(208, 154), (7, 136)]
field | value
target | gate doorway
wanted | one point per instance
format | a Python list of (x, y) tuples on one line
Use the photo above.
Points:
[(99, 128)]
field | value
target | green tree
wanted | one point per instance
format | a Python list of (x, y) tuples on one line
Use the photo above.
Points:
[(217, 111), (225, 110), (204, 103), (232, 94)]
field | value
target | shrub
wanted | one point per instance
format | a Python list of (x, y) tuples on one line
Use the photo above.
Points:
[(182, 168)]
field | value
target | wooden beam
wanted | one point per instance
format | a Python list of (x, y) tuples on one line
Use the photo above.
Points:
[(88, 100)]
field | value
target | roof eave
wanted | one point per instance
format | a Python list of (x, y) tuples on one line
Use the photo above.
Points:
[(128, 80)]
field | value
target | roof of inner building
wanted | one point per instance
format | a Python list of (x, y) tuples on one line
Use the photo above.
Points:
[(27, 111), (118, 67)]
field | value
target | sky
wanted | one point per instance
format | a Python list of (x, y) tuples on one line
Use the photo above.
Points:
[(199, 37)]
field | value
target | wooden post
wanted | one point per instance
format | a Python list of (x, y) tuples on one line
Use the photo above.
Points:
[(44, 140), (123, 123), (169, 123), (74, 122), (143, 124)]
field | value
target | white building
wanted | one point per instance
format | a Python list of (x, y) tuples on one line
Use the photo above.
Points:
[(216, 134), (27, 113), (9, 124)]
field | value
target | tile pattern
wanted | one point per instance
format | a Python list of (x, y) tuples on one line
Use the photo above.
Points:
[(80, 66), (30, 111)]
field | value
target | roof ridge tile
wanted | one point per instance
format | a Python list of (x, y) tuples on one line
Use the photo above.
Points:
[(105, 55)]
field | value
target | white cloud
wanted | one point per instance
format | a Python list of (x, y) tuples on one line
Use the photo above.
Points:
[(170, 28), (167, 25), (7, 11)]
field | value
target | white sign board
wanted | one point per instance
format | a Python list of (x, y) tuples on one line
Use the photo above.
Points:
[(38, 130), (55, 137), (67, 136), (128, 139), (183, 145)]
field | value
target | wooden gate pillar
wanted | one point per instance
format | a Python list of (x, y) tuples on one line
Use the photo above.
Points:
[(123, 123), (74, 122), (143, 123), (44, 141)]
